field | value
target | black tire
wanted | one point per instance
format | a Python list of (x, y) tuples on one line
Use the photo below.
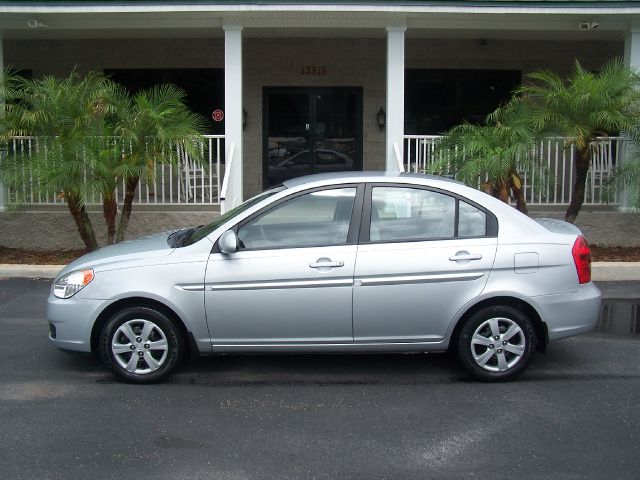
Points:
[(158, 353), (493, 360)]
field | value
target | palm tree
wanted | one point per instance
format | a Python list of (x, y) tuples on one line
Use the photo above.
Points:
[(626, 178), (149, 125), (581, 108), (60, 113), (498, 152), (103, 152), (92, 136)]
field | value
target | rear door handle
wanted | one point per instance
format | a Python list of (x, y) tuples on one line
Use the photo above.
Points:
[(465, 257)]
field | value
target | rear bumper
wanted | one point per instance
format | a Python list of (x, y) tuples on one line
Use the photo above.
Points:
[(572, 313)]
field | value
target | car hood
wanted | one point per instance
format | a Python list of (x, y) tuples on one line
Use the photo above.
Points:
[(148, 247)]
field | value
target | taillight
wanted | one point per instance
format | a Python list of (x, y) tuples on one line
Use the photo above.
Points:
[(582, 258)]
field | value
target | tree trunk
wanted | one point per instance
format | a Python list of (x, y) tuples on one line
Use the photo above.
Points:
[(503, 191), (83, 222), (127, 204), (110, 211), (583, 162), (518, 194)]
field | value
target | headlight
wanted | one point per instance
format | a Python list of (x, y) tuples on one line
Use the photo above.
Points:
[(72, 283)]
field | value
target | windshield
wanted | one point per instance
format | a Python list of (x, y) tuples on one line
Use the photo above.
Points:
[(199, 233)]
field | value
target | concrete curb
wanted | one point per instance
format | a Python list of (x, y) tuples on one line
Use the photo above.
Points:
[(600, 271), (615, 271), (9, 270)]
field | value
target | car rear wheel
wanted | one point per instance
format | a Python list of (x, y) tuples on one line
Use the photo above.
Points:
[(140, 345), (496, 343)]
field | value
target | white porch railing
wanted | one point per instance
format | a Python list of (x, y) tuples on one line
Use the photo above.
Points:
[(551, 182), (180, 181), (183, 182)]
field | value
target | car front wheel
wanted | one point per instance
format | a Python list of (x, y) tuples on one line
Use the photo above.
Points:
[(496, 343), (140, 345)]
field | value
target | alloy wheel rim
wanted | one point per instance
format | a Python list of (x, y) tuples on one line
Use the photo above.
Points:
[(498, 344), (139, 346)]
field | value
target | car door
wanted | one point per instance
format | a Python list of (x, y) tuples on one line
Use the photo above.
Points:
[(423, 255), (291, 280)]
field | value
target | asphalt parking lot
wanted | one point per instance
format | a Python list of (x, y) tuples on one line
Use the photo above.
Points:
[(574, 414)]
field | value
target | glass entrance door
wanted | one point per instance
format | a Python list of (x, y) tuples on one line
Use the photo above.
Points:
[(311, 131)]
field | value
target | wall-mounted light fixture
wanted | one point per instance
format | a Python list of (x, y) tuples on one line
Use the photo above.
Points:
[(588, 25), (381, 116), (35, 23), (244, 118)]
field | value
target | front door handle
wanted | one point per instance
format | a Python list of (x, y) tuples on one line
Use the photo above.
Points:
[(326, 263), (465, 257)]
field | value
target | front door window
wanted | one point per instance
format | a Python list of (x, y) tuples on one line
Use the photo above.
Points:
[(319, 218)]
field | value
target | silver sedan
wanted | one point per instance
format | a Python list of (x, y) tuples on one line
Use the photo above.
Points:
[(355, 262)]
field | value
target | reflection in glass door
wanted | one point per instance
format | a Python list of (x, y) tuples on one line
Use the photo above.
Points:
[(311, 131)]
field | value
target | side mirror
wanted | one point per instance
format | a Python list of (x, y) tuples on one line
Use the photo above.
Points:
[(228, 242)]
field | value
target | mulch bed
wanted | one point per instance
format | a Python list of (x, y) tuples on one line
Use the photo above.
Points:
[(62, 257), (38, 257), (615, 254)]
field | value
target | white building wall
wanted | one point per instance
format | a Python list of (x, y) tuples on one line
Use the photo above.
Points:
[(395, 97), (233, 117)]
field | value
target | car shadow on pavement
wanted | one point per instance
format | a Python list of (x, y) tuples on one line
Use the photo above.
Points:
[(304, 369), (568, 360), (78, 362)]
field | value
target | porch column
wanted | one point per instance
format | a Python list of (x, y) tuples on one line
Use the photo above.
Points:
[(395, 95), (3, 193), (631, 60), (632, 48), (233, 113)]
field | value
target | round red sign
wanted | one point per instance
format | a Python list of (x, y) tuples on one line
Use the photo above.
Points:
[(217, 115)]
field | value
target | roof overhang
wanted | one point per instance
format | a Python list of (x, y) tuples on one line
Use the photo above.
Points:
[(453, 19)]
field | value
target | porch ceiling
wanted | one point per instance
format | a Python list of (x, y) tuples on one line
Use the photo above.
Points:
[(301, 23)]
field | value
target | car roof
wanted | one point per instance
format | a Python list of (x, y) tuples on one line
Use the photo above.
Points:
[(362, 176)]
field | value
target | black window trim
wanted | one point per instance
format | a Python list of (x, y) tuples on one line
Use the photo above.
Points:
[(355, 220), (491, 225)]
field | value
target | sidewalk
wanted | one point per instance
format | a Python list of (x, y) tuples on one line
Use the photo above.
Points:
[(600, 271)]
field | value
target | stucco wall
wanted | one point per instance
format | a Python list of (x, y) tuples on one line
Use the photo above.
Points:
[(58, 57), (278, 59), (523, 55)]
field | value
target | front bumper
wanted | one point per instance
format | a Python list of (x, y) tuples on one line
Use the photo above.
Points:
[(71, 321), (569, 314)]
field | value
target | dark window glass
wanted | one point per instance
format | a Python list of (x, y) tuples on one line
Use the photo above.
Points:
[(204, 87), (436, 100), (311, 130)]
